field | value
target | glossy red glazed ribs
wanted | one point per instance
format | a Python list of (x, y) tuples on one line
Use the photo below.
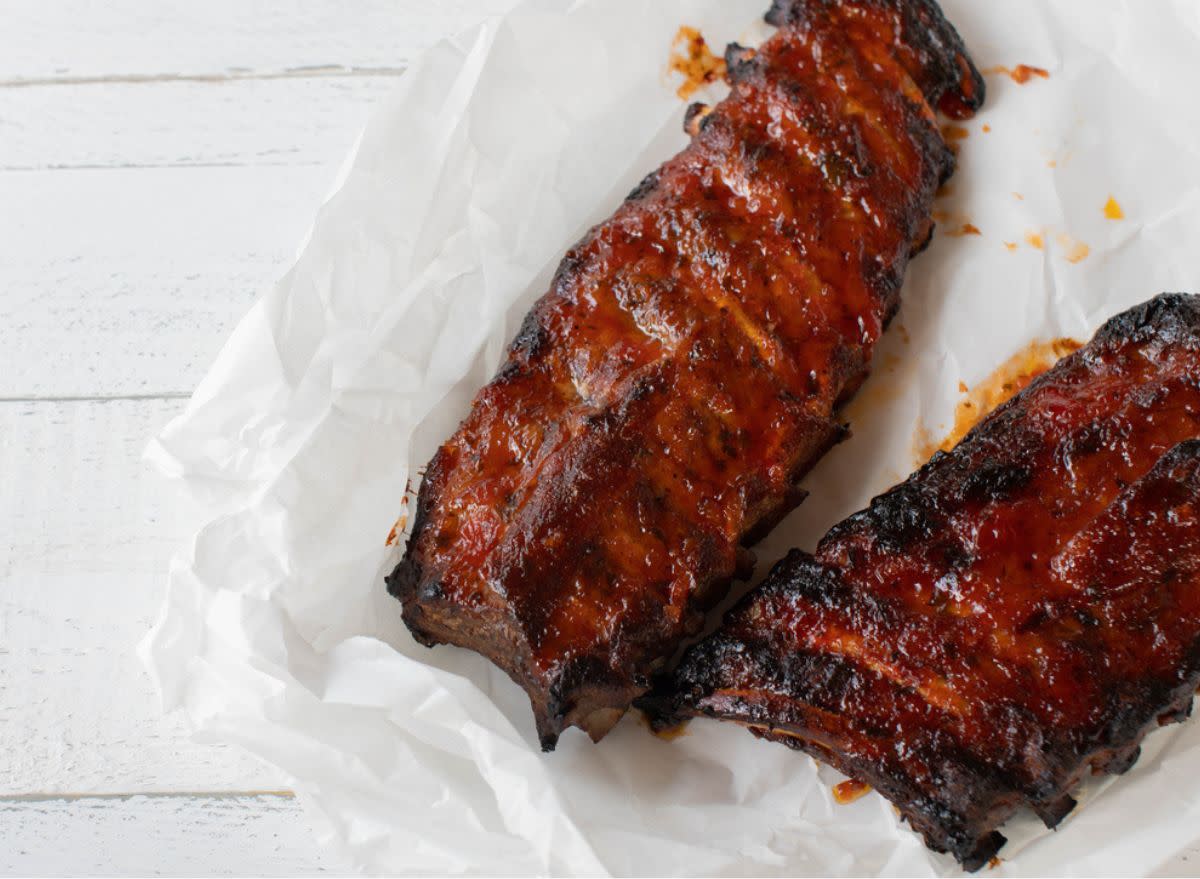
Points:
[(1021, 611), (660, 404)]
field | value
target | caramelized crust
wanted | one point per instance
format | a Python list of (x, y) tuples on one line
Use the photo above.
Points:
[(1022, 610), (660, 404)]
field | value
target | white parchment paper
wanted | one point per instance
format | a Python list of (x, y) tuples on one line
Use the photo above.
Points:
[(498, 150)]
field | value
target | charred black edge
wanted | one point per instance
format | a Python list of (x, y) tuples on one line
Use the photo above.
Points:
[(695, 118), (739, 62), (1169, 317), (951, 81)]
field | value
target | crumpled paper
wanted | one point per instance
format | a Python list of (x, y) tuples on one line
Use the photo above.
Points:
[(498, 150)]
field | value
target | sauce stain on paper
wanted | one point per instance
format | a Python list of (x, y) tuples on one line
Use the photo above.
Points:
[(1112, 209), (1012, 377), (1073, 250), (691, 57)]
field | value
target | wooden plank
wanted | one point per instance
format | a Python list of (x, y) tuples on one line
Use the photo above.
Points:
[(295, 121), (176, 836), (126, 282), (86, 532), (81, 40)]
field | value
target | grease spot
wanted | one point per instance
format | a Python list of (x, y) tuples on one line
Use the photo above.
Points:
[(1112, 209), (1035, 240), (955, 224), (1075, 251)]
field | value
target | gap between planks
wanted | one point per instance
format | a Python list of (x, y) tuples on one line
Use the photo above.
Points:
[(102, 398), (143, 165), (150, 795), (307, 72)]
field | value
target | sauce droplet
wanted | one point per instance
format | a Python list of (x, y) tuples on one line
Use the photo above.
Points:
[(1035, 240), (1112, 209), (847, 792), (691, 57), (1020, 74)]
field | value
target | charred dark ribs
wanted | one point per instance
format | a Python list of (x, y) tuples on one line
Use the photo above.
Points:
[(1021, 611), (661, 402)]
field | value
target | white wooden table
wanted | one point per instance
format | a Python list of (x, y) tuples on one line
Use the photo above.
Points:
[(160, 161)]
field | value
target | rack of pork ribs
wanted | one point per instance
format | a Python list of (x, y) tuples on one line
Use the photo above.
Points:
[(658, 407), (1020, 612)]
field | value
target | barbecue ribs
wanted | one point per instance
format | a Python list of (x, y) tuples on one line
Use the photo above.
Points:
[(1022, 610), (659, 405)]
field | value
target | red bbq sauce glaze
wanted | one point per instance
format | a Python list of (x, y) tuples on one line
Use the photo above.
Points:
[(664, 398), (1059, 579), (700, 339)]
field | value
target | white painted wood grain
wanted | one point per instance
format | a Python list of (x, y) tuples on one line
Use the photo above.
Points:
[(127, 281), (86, 532), (291, 121), (82, 39), (174, 836), (192, 144)]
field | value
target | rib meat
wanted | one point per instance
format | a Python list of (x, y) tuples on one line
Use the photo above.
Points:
[(1021, 611), (660, 403)]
